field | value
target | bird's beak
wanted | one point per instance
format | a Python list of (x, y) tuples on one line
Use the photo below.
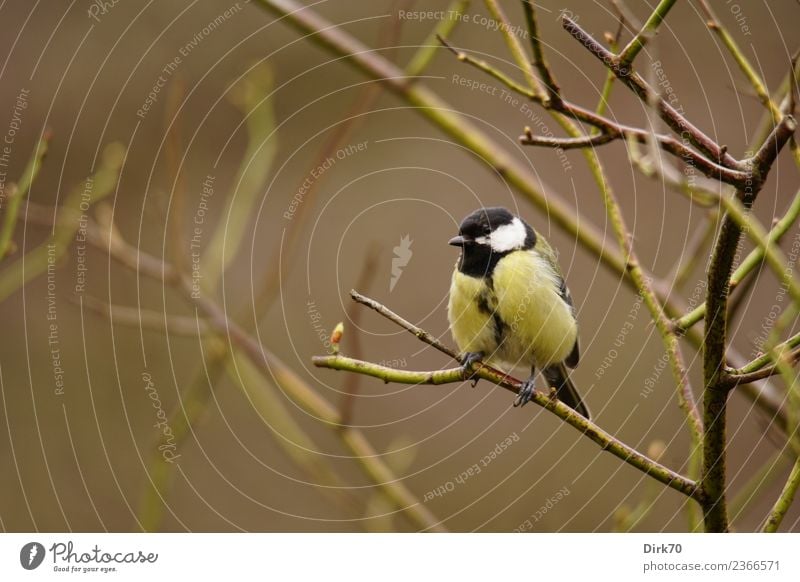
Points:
[(458, 241)]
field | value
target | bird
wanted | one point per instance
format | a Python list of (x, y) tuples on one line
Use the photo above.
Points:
[(509, 304)]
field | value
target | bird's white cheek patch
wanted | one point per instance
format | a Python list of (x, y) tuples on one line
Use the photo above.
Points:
[(509, 236)]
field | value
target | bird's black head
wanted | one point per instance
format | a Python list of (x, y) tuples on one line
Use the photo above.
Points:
[(486, 236)]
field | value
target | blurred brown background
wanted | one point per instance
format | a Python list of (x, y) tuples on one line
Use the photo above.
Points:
[(79, 461)]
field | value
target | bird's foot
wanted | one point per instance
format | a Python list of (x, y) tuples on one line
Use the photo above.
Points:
[(525, 393), (469, 359)]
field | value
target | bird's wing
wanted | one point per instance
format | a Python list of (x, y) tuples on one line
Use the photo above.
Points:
[(574, 356), (544, 247)]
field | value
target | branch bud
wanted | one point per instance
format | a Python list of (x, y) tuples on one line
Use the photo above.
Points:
[(336, 337)]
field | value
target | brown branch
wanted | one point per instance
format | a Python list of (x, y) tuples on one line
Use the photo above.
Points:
[(677, 122), (553, 90), (732, 380), (566, 143), (714, 366), (611, 130)]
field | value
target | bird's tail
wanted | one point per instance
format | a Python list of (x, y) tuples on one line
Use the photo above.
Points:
[(558, 377)]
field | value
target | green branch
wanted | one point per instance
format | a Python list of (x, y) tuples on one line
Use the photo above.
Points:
[(646, 33), (515, 47), (251, 95), (443, 29), (16, 193), (784, 501), (101, 184), (587, 428), (749, 264)]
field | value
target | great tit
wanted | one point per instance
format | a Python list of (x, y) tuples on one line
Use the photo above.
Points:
[(509, 303)]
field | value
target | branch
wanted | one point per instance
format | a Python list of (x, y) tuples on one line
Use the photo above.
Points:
[(34, 262), (612, 129), (301, 393), (424, 55), (784, 501), (706, 196), (553, 90), (453, 375), (714, 369), (766, 154), (145, 318), (755, 80), (515, 47), (646, 33), (764, 360), (735, 378), (567, 143), (677, 122), (748, 265), (15, 193)]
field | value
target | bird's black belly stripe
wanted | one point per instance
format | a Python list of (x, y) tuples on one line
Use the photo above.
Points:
[(499, 328), (499, 324), (483, 305)]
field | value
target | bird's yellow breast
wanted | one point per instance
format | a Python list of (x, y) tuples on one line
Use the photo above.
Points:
[(517, 316)]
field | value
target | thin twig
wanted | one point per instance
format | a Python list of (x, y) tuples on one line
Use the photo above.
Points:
[(755, 80), (638, 42), (753, 260), (429, 48), (146, 318), (539, 61), (784, 501), (516, 49), (735, 379), (566, 143), (351, 385), (488, 69), (17, 192)]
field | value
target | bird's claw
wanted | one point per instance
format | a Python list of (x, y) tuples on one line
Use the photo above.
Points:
[(525, 393), (469, 359)]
